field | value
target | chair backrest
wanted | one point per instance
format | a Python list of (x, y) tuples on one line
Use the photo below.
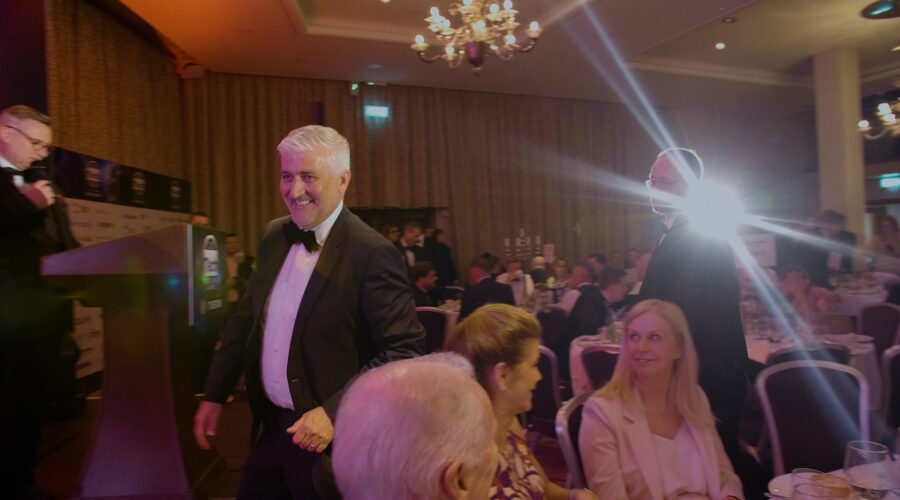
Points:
[(599, 361), (435, 322), (545, 398), (453, 292), (813, 409), (881, 321), (568, 424), (827, 351), (890, 378), (553, 323)]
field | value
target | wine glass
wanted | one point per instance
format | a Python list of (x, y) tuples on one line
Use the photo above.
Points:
[(809, 491), (867, 467)]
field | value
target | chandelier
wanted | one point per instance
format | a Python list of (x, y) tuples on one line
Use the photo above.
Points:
[(484, 26), (886, 112)]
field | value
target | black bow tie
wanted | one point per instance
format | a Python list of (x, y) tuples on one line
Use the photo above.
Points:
[(295, 235), (12, 171)]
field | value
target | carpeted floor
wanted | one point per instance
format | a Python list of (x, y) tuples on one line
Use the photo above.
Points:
[(65, 444)]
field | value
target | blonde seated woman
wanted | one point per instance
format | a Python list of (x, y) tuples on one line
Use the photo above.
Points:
[(649, 433), (502, 342)]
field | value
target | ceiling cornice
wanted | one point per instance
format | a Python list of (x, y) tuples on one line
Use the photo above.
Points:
[(719, 72)]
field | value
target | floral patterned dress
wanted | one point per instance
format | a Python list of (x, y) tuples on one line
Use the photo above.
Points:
[(518, 476)]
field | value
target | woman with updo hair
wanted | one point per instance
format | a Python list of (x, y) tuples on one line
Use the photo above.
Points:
[(503, 344)]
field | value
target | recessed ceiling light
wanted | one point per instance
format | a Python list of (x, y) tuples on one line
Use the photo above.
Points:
[(374, 66), (882, 9), (720, 46), (895, 49), (385, 1), (729, 20)]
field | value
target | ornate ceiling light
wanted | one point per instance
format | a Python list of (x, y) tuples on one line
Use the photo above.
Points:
[(484, 26), (887, 113)]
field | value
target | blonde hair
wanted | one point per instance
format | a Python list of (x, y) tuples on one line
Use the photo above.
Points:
[(494, 333), (684, 390)]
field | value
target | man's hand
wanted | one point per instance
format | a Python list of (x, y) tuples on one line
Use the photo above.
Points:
[(314, 431), (40, 194), (205, 422)]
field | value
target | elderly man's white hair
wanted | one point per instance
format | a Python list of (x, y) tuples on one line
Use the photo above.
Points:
[(335, 147), (400, 426)]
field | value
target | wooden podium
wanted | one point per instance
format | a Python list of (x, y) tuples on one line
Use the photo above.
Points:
[(153, 288)]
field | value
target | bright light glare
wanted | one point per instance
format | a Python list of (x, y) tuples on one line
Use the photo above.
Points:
[(714, 210)]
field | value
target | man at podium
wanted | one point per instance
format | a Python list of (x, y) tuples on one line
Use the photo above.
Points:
[(329, 300)]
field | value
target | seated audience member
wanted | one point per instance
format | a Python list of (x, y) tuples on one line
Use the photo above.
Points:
[(635, 276), (424, 280), (495, 263), (810, 302), (483, 289), (631, 257), (521, 283), (200, 219), (415, 428), (614, 290), (391, 232), (649, 432), (818, 259), (503, 343), (538, 270), (886, 244), (597, 263), (578, 282), (442, 258), (559, 274), (409, 245)]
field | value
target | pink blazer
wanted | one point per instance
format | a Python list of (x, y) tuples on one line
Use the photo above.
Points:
[(620, 460)]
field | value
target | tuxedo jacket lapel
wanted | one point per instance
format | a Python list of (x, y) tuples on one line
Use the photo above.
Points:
[(270, 272)]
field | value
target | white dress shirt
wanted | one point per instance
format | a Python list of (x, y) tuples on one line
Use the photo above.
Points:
[(18, 180), (281, 313), (522, 285)]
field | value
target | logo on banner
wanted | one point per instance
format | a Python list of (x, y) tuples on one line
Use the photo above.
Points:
[(212, 275)]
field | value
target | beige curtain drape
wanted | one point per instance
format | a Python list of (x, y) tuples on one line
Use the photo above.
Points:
[(499, 163), (111, 94)]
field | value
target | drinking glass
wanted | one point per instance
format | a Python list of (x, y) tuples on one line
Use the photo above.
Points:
[(867, 466), (809, 491), (803, 475)]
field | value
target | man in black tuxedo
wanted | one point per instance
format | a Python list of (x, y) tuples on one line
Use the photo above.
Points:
[(408, 244), (34, 318), (587, 311), (698, 274), (483, 289), (329, 299)]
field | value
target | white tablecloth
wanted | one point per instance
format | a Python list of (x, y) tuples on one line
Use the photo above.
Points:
[(852, 304), (581, 382), (862, 357)]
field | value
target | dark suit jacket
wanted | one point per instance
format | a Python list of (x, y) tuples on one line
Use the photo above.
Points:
[(442, 259), (590, 312), (26, 302), (485, 291), (421, 298), (698, 274), (357, 313)]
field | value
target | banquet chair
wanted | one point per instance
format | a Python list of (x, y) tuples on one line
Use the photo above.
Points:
[(435, 322), (453, 293), (568, 424), (890, 377), (545, 399), (812, 410), (828, 351), (881, 322), (599, 361), (553, 322)]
